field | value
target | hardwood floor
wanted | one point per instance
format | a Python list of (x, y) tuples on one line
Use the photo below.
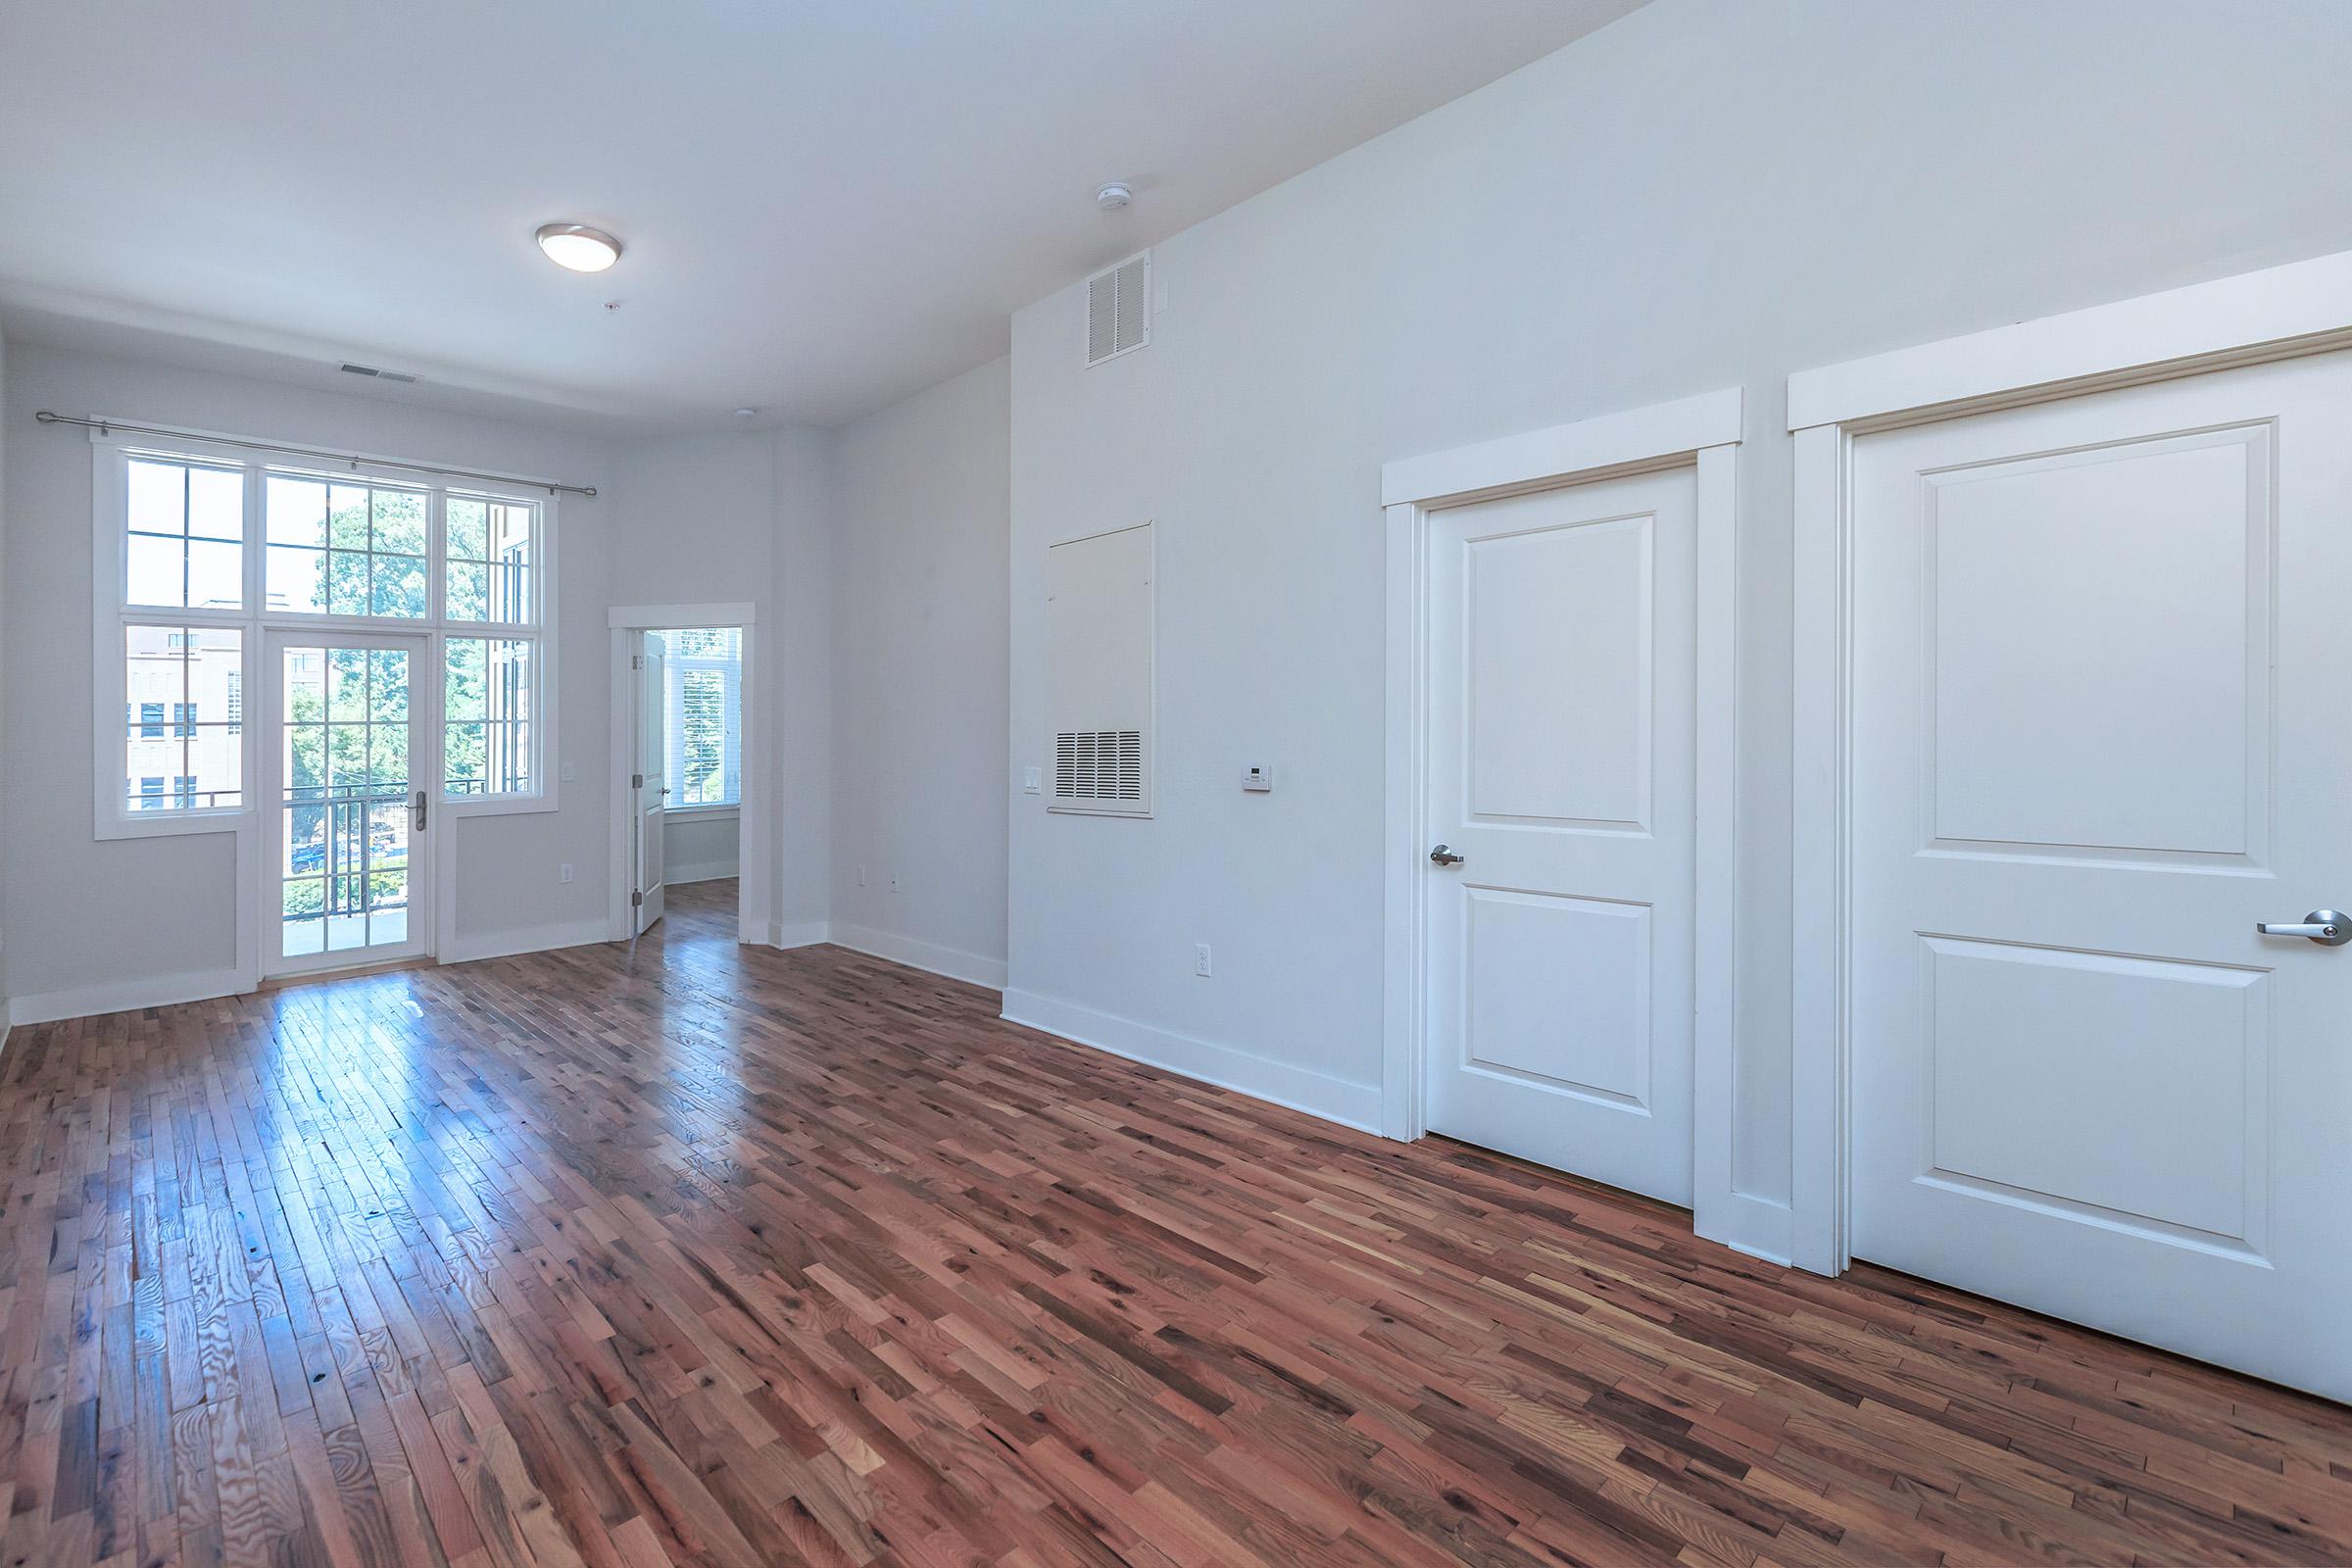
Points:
[(743, 1256)]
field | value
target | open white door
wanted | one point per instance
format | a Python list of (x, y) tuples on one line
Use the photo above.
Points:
[(2100, 737), (649, 789)]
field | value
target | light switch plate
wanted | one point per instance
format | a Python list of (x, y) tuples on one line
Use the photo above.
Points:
[(1257, 778), (1033, 781)]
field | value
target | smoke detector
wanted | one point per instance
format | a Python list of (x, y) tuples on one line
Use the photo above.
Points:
[(1113, 196)]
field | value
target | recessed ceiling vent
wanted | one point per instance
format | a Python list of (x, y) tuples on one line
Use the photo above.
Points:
[(1118, 308), (380, 375)]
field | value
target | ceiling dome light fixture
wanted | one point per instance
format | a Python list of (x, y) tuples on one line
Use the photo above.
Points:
[(579, 247)]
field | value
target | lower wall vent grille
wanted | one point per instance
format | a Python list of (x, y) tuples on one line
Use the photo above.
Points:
[(1099, 764)]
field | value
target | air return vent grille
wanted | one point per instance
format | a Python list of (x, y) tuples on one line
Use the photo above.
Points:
[(1118, 308), (1099, 764)]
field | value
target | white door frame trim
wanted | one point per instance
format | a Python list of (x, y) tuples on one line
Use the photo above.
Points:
[(1701, 433), (2285, 312), (753, 901)]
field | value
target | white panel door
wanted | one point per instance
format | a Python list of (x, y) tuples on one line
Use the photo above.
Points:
[(1560, 755), (2100, 731), (650, 785)]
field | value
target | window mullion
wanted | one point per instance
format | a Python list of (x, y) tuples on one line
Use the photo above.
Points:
[(437, 555), (257, 581), (432, 751), (187, 568), (166, 614)]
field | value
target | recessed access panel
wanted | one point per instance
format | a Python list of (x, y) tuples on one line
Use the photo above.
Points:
[(1099, 601)]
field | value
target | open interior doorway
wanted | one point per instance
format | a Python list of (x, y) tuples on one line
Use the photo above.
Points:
[(686, 763)]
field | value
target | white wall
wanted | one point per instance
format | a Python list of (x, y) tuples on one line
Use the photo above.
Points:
[(801, 847), (139, 910), (701, 519), (1708, 193), (701, 528), (698, 845), (919, 649), (746, 516), (6, 801)]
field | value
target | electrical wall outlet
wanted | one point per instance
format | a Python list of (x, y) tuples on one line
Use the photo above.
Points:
[(894, 881), (1200, 958), (565, 871)]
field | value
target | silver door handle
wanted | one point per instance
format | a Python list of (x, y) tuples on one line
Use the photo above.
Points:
[(417, 807), (2323, 926), (1441, 856)]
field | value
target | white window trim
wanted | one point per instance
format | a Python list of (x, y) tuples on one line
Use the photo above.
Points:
[(752, 915), (677, 668), (111, 612)]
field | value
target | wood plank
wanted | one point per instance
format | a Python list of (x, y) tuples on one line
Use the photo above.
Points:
[(737, 1256)]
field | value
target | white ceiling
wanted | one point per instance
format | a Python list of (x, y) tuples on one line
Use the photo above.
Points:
[(828, 204)]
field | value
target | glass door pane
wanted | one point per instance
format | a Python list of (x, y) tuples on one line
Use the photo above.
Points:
[(347, 767)]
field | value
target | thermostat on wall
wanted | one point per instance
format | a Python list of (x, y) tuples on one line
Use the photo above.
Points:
[(1257, 778)]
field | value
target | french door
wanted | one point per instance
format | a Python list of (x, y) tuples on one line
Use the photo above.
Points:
[(349, 784)]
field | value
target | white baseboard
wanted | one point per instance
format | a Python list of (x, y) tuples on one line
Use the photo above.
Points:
[(530, 939), (799, 934), (1757, 1226), (126, 995), (707, 871), (1301, 1088), (954, 962)]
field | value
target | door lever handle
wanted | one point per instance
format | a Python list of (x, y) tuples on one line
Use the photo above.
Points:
[(1441, 856), (418, 807), (2323, 926)]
